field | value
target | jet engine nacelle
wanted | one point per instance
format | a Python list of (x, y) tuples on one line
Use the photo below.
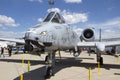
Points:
[(88, 35)]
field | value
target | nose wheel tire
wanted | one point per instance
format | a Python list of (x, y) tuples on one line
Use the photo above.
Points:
[(49, 72)]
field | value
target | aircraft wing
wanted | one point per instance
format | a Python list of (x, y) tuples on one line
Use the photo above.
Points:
[(93, 44), (13, 40), (17, 41), (100, 45), (111, 43)]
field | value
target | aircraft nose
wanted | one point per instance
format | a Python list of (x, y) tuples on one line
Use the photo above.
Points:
[(41, 36), (29, 35)]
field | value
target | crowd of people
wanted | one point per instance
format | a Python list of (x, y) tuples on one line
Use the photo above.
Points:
[(3, 51)]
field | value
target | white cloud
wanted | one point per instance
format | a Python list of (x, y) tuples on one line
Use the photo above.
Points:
[(7, 21), (72, 17), (11, 34), (40, 19), (77, 30), (73, 1), (109, 33), (113, 23), (54, 9), (36, 1)]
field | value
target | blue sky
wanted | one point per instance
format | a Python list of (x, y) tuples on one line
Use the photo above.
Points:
[(16, 16)]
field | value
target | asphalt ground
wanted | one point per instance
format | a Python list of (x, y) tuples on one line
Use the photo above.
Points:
[(66, 68)]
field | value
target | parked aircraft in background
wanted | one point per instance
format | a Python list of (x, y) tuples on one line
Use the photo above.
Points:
[(55, 34), (12, 43), (5, 44)]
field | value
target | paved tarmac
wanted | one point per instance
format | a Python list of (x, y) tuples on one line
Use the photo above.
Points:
[(67, 68)]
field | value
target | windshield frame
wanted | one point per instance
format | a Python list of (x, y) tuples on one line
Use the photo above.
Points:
[(47, 18), (51, 18)]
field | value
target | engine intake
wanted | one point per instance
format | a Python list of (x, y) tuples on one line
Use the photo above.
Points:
[(87, 35)]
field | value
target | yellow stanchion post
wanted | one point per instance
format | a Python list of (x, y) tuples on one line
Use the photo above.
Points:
[(28, 66), (99, 68), (21, 77), (90, 74), (22, 62)]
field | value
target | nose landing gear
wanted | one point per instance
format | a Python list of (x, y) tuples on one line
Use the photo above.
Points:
[(50, 63), (99, 58)]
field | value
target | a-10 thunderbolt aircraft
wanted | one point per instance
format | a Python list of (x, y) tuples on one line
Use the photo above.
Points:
[(54, 34)]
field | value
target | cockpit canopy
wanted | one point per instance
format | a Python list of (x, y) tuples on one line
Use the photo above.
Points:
[(54, 17)]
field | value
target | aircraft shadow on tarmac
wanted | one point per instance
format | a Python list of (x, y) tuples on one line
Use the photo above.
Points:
[(38, 74)]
